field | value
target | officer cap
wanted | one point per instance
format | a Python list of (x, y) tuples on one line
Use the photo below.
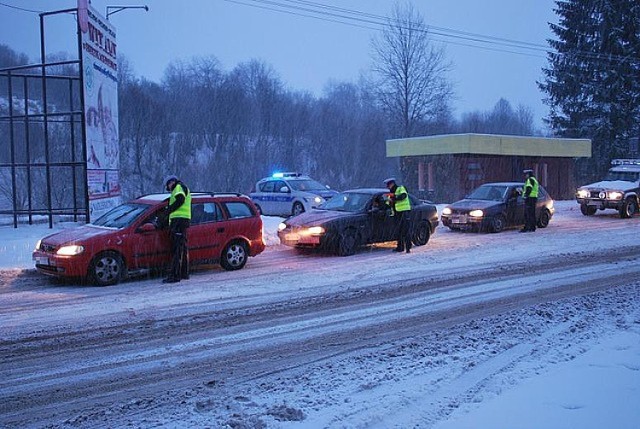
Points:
[(389, 180), (168, 179), (530, 172)]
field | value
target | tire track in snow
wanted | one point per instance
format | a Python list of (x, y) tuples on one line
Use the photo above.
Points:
[(282, 337)]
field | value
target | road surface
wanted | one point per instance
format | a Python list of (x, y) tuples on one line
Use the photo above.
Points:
[(308, 340)]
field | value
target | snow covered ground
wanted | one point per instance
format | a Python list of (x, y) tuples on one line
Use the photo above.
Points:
[(532, 370)]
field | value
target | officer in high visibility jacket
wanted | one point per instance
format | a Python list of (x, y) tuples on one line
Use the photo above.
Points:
[(401, 206), (179, 220), (530, 194)]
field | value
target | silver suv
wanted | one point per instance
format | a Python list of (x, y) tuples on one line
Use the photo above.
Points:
[(620, 190), (289, 194)]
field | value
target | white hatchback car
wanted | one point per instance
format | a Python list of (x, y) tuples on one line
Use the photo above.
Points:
[(289, 194)]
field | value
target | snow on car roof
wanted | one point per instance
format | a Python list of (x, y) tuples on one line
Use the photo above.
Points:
[(154, 197), (632, 168), (503, 184), (368, 190)]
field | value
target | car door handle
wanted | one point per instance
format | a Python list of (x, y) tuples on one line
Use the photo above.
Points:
[(220, 229)]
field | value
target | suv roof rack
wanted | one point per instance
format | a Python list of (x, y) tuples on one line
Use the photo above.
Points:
[(166, 195), (221, 194)]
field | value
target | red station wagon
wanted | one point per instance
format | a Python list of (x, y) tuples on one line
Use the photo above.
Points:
[(134, 236)]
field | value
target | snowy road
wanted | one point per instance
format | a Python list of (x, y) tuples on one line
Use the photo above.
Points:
[(307, 340)]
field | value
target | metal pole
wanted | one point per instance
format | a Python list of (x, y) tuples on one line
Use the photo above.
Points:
[(13, 154), (28, 147), (73, 152), (83, 127), (117, 9), (46, 120)]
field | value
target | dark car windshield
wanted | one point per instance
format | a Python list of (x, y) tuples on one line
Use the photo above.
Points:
[(307, 185), (121, 216), (347, 202), (627, 176), (489, 192)]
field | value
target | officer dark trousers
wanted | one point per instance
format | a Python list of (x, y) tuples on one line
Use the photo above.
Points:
[(404, 230), (180, 260), (530, 213)]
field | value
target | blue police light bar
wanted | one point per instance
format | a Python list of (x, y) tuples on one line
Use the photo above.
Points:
[(280, 175)]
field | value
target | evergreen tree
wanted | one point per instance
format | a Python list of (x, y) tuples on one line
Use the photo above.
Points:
[(593, 80)]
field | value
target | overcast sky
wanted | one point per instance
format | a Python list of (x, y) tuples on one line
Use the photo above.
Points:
[(483, 39)]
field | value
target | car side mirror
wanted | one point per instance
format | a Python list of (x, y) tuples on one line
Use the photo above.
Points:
[(380, 211), (146, 227), (284, 189)]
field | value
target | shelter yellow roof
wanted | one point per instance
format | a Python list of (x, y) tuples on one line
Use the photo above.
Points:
[(489, 144)]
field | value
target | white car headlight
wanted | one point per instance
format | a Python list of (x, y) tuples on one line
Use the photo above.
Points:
[(476, 213), (583, 193), (282, 226), (38, 244), (446, 211), (71, 250), (317, 200), (615, 195)]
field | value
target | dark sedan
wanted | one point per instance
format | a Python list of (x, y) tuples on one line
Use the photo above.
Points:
[(355, 218), (495, 206)]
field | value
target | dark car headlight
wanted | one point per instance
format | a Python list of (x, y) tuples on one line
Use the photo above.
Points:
[(314, 230), (476, 213)]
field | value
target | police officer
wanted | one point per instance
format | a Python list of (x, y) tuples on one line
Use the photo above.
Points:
[(530, 200), (179, 220), (401, 206)]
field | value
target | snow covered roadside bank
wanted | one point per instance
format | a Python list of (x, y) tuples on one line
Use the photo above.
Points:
[(16, 244)]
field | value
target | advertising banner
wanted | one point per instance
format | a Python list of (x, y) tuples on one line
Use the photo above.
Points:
[(100, 75)]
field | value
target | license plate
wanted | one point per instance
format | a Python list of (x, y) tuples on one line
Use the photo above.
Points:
[(311, 239), (42, 260), (459, 219), (292, 237)]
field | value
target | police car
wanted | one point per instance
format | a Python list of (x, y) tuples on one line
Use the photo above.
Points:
[(289, 194)]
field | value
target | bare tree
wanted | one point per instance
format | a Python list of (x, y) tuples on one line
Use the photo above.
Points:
[(411, 72), (503, 119)]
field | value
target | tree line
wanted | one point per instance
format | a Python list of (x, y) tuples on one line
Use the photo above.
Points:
[(223, 129), (592, 82)]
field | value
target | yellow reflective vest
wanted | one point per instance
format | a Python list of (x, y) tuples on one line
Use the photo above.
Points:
[(533, 184), (402, 205), (184, 211)]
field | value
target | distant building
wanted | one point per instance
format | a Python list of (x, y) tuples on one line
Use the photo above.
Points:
[(448, 167)]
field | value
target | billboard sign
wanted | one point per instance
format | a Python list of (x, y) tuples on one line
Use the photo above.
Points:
[(100, 79)]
